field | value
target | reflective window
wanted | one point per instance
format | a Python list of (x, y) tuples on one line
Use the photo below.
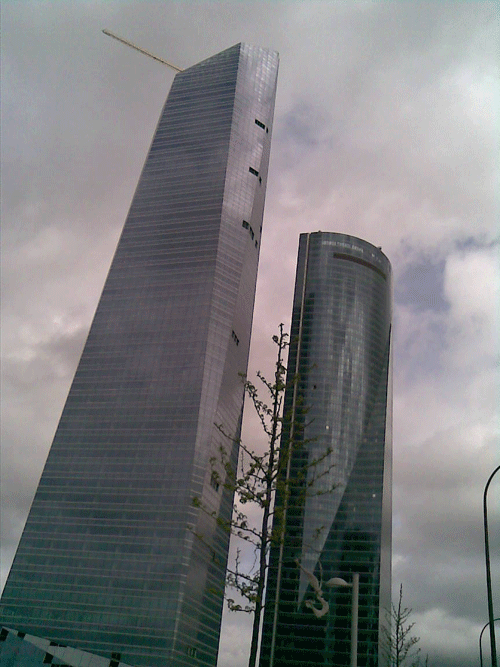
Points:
[(338, 520), (109, 561)]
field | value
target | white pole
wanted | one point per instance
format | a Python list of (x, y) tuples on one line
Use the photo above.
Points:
[(354, 620)]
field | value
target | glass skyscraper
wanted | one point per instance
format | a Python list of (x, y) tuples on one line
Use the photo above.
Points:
[(115, 559), (336, 513)]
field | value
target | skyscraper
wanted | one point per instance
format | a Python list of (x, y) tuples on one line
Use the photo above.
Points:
[(114, 558), (338, 522)]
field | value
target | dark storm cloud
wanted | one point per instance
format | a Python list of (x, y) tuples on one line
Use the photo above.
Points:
[(386, 127)]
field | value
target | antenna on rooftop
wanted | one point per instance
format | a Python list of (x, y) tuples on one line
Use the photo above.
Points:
[(138, 48)]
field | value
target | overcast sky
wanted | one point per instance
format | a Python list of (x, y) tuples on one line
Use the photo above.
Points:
[(386, 127)]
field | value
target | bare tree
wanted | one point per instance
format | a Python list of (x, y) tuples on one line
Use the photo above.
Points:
[(400, 645)]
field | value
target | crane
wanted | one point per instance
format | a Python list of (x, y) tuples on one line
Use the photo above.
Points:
[(138, 48)]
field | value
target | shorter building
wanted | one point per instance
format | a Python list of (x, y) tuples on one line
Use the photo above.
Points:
[(18, 649), (336, 513)]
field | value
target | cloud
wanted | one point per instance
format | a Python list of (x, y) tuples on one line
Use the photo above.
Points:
[(386, 127), (455, 634), (472, 287)]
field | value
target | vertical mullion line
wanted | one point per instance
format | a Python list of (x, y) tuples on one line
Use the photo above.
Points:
[(291, 435)]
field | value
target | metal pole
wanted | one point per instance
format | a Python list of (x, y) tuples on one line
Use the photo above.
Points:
[(494, 661), (354, 619), (481, 641), (141, 50)]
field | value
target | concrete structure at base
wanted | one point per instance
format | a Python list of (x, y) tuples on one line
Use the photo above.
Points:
[(114, 556), (17, 649), (336, 513)]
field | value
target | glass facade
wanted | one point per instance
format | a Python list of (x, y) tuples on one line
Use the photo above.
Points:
[(337, 513), (114, 557)]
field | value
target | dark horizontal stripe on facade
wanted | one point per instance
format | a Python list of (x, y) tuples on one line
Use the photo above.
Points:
[(358, 260)]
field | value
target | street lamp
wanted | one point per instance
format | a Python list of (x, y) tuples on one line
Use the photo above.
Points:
[(337, 581), (481, 639), (494, 662), (316, 585)]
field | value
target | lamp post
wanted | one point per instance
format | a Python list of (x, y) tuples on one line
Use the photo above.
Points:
[(481, 639), (337, 581), (494, 661)]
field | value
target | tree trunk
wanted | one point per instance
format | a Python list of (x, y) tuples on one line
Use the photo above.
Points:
[(264, 541)]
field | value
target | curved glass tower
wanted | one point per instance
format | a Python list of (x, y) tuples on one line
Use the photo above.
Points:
[(114, 558), (338, 520)]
